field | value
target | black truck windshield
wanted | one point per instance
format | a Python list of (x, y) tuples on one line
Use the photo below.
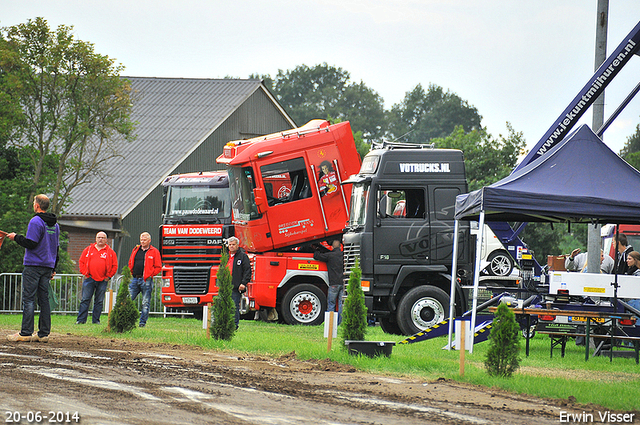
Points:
[(204, 203), (359, 202)]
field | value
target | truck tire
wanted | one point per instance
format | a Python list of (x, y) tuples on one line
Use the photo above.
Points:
[(421, 308), (304, 305), (389, 327), (500, 264), (198, 312)]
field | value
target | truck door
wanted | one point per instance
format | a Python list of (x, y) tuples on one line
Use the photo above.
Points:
[(443, 200), (402, 235), (293, 213)]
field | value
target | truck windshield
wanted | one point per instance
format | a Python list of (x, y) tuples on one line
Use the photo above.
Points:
[(359, 202), (241, 184), (203, 202)]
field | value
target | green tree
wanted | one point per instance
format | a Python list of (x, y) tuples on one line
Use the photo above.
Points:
[(504, 344), (632, 145), (324, 91), (633, 159), (424, 115), (74, 105), (354, 311), (487, 160), (224, 326), (545, 239), (124, 314)]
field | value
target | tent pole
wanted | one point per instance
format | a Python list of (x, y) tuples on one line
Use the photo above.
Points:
[(454, 268), (476, 277), (615, 271)]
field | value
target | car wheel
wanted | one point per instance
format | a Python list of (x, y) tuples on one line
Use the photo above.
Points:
[(500, 264)]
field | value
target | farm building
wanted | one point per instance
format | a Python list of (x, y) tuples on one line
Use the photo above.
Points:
[(181, 126)]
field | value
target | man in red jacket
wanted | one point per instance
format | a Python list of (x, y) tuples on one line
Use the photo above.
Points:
[(98, 264), (145, 263)]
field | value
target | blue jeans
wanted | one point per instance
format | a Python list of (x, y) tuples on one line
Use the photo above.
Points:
[(35, 282), (635, 303), (139, 285), (90, 288), (334, 296)]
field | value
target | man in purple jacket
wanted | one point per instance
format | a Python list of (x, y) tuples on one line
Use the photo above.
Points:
[(40, 260)]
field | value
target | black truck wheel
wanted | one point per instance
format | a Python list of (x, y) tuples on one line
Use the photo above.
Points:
[(390, 327), (304, 304), (421, 308)]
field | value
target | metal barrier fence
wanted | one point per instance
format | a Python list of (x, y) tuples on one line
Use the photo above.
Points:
[(68, 291)]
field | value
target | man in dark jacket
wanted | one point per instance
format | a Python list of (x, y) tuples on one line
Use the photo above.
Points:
[(40, 260), (335, 268), (240, 268), (144, 263), (622, 251)]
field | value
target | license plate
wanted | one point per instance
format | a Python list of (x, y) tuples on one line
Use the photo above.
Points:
[(189, 300), (584, 319)]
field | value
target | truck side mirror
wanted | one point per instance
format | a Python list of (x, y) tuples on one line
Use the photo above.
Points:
[(259, 198), (382, 207)]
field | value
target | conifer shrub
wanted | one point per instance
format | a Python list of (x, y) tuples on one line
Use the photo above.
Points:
[(504, 344), (354, 311), (124, 314), (223, 324)]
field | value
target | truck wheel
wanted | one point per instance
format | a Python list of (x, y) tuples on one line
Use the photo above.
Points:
[(421, 308), (500, 264), (389, 327), (197, 313), (304, 305)]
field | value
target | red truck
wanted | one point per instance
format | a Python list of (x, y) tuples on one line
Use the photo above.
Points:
[(278, 227), (196, 219)]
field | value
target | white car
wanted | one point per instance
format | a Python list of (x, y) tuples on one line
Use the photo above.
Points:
[(495, 259)]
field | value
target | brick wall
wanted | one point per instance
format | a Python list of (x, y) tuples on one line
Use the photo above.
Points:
[(79, 239)]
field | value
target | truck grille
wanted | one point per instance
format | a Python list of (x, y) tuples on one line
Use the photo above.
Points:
[(191, 280), (351, 253), (191, 250)]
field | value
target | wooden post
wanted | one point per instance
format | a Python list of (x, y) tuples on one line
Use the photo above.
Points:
[(208, 321), (330, 331), (463, 325)]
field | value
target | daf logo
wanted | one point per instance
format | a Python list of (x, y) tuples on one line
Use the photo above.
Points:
[(169, 241)]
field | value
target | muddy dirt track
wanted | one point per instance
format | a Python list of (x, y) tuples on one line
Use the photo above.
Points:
[(123, 382)]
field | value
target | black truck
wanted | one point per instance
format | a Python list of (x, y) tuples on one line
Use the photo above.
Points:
[(401, 228)]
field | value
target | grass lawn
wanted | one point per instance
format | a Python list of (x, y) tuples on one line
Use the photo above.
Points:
[(613, 385)]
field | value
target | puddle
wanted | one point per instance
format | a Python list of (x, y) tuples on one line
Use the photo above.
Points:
[(160, 356), (78, 378), (416, 408), (78, 354)]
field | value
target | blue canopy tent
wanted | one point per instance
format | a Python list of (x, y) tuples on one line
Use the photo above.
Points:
[(579, 180)]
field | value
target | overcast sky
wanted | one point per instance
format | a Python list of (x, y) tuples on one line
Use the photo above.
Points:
[(515, 61)]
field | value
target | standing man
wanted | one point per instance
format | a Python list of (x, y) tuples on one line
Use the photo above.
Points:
[(240, 268), (144, 263), (335, 267), (40, 261), (622, 251), (98, 264)]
